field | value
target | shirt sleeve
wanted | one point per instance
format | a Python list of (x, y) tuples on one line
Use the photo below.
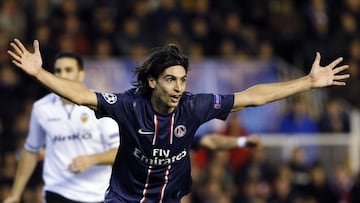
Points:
[(36, 136), (112, 105), (210, 106), (110, 131)]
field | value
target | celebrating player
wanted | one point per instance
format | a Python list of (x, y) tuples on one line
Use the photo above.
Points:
[(158, 118)]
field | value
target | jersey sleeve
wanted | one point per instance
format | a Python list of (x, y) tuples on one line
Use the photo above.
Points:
[(108, 106), (110, 131), (36, 137), (210, 106)]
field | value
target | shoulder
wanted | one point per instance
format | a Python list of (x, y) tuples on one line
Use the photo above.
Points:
[(113, 98), (190, 97), (47, 99)]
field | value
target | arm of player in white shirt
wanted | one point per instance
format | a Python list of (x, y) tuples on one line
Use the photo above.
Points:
[(217, 141), (84, 162), (110, 131)]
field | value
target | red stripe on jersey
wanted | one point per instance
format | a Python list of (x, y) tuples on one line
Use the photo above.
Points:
[(156, 122), (146, 185), (171, 129), (166, 178)]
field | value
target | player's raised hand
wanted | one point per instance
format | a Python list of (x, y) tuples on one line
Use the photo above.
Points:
[(328, 75), (31, 63)]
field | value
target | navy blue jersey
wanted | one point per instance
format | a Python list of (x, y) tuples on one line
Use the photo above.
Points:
[(153, 164)]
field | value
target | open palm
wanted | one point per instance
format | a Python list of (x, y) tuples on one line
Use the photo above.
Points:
[(31, 63), (328, 75)]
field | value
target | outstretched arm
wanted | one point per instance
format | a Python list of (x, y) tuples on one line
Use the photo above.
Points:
[(31, 63), (222, 142), (318, 77)]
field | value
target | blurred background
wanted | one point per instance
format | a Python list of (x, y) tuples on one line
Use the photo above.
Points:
[(312, 140)]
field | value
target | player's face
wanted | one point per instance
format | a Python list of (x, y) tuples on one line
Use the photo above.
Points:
[(168, 89), (68, 68)]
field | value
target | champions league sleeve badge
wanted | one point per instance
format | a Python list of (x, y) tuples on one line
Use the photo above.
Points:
[(109, 98), (217, 101)]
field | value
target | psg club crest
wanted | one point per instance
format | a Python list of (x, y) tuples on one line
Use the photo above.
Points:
[(180, 131), (109, 98)]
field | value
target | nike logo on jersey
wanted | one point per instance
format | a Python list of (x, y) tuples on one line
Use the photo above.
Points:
[(141, 132)]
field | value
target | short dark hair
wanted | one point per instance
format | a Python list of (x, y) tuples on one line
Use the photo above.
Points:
[(155, 64), (75, 56)]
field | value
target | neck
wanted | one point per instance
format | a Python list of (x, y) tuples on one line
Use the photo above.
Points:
[(160, 107)]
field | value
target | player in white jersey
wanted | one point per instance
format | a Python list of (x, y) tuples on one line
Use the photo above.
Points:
[(79, 148)]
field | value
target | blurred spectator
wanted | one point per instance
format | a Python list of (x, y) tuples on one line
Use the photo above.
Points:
[(319, 36), (355, 190), (300, 177), (141, 12), (265, 50), (351, 95), (103, 48), (201, 26), (219, 186), (4, 39), (137, 52), (234, 31), (43, 33), (320, 187), (75, 33), (12, 18), (10, 82), (102, 22), (343, 183), (257, 169), (347, 31), (238, 157), (195, 51), (298, 119), (174, 33), (287, 29), (335, 118), (129, 35), (282, 192), (166, 10), (62, 9)]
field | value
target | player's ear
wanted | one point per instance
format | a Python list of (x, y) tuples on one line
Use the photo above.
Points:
[(152, 82)]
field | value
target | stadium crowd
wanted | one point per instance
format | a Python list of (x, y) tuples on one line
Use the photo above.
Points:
[(292, 30)]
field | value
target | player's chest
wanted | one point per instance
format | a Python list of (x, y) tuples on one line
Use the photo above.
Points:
[(60, 121), (162, 130)]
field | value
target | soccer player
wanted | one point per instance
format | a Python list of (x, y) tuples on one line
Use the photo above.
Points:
[(158, 118), (79, 148)]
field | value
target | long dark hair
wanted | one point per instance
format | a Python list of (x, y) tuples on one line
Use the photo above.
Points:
[(155, 64)]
